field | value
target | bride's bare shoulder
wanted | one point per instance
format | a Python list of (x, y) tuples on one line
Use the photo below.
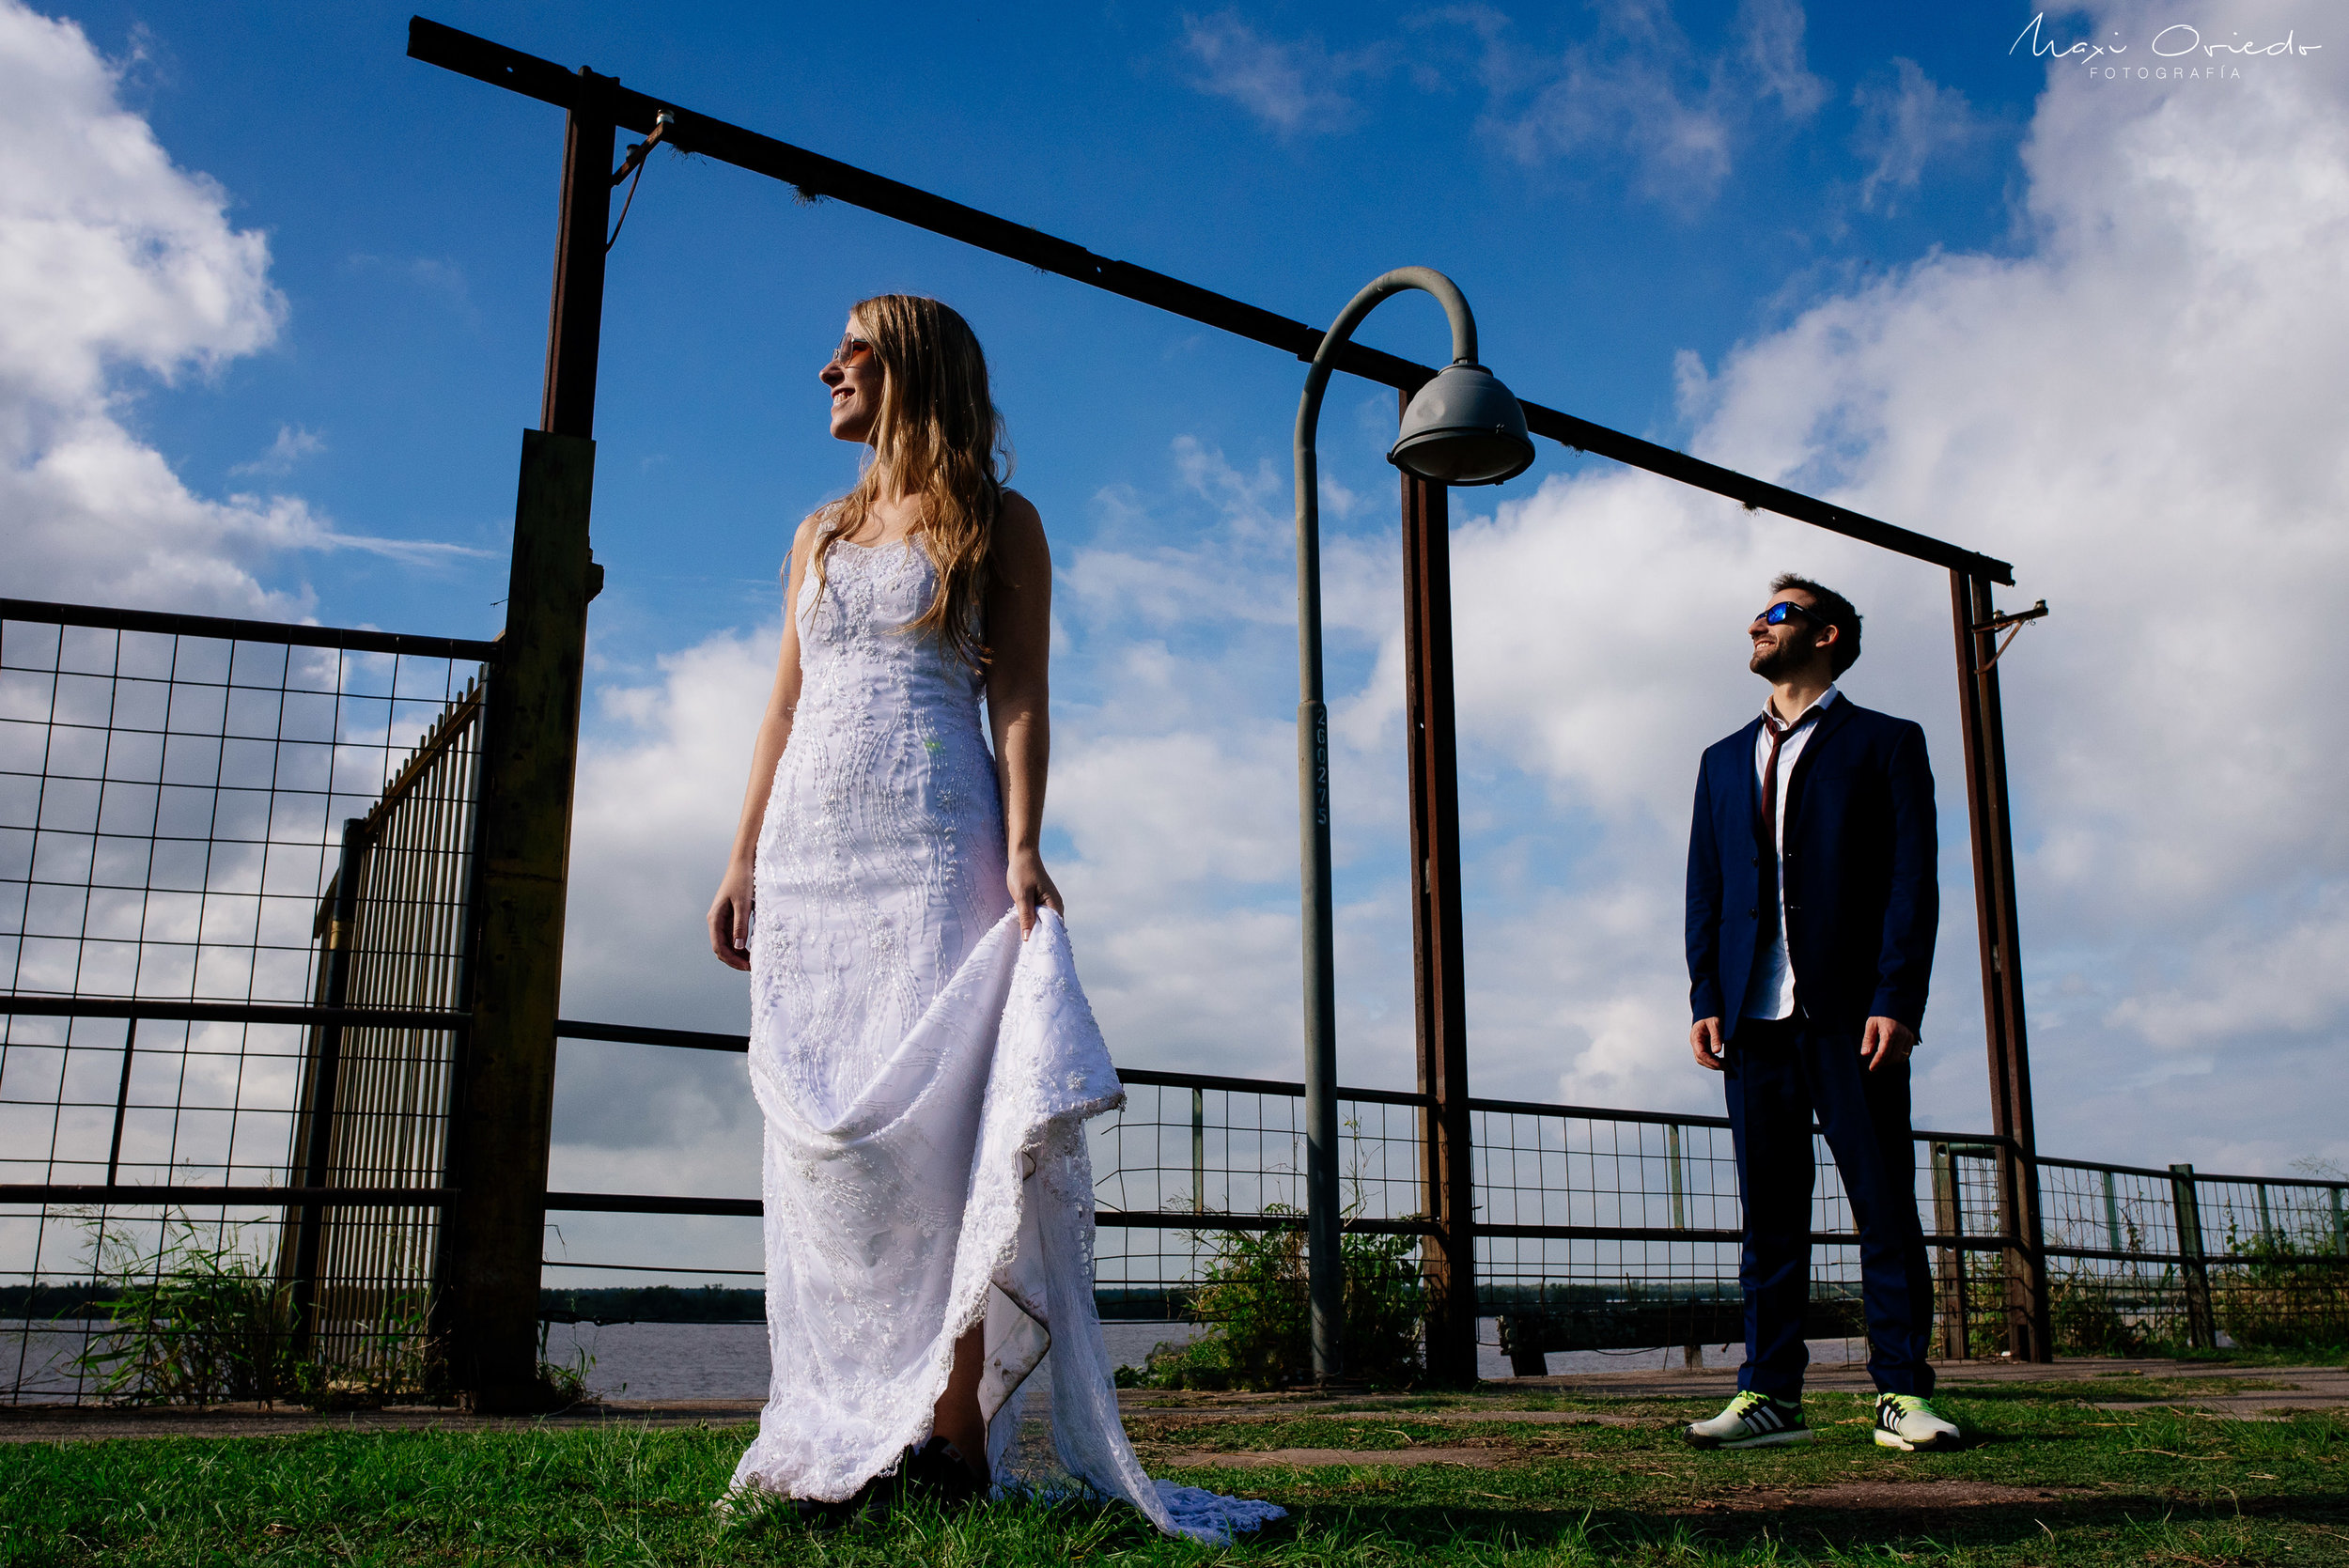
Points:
[(804, 541), (1018, 525)]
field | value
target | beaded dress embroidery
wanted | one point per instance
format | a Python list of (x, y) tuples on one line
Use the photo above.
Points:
[(925, 1077)]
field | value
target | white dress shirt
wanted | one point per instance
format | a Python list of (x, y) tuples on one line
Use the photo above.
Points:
[(1770, 993)]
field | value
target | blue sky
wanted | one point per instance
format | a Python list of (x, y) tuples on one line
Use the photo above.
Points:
[(2086, 324), (411, 215)]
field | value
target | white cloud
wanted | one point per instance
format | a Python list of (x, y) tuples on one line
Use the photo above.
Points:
[(1635, 86), (115, 265), (660, 779), (1771, 32), (1294, 86), (1639, 88), (1904, 123), (2133, 409), (1175, 782), (111, 258), (292, 444), (2134, 405), (111, 255), (662, 772), (2286, 978)]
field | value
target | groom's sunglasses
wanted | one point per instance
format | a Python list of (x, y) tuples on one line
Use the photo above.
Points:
[(1776, 614)]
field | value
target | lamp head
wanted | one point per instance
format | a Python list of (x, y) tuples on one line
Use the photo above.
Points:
[(1463, 428)]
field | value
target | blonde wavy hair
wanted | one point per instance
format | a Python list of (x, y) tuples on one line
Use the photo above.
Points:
[(938, 439)]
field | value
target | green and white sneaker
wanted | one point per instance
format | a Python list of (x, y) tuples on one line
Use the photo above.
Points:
[(1907, 1422), (1752, 1421)]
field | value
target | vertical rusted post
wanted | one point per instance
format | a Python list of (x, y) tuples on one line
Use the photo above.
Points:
[(1198, 1152), (1691, 1352), (1436, 945), (503, 1110), (1949, 1219), (2202, 1325), (2027, 1327), (575, 316), (317, 1110)]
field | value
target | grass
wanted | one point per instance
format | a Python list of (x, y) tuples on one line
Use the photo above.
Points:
[(2054, 1482)]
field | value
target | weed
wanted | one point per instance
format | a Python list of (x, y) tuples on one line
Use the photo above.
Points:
[(2280, 1291), (194, 1323), (1255, 1295), (201, 1321)]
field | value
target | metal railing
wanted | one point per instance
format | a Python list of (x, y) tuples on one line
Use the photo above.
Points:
[(1610, 1228), (2137, 1255), (235, 903)]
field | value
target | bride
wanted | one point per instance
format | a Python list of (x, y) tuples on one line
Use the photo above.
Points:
[(919, 1047)]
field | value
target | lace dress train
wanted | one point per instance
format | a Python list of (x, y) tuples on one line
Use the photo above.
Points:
[(925, 1077)]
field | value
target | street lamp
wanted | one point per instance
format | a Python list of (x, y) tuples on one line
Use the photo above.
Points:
[(1463, 428)]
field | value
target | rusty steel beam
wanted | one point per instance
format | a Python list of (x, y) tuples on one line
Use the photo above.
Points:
[(575, 313), (501, 1104), (173, 624), (814, 175), (1983, 727), (502, 1112), (1438, 986)]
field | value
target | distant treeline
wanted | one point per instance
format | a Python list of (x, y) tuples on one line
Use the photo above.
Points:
[(653, 1304), (722, 1304), (39, 1301)]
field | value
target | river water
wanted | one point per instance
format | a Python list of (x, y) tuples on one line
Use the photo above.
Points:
[(728, 1360)]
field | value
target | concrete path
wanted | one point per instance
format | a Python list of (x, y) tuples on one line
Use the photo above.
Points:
[(2219, 1388)]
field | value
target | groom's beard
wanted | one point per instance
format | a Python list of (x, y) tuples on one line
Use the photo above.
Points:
[(1773, 659)]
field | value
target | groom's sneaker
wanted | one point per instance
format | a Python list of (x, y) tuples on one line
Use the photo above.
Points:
[(1907, 1422), (1752, 1421)]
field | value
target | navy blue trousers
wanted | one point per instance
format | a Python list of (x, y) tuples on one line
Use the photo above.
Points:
[(1779, 1073)]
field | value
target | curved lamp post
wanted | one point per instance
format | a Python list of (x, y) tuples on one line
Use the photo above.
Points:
[(1463, 428)]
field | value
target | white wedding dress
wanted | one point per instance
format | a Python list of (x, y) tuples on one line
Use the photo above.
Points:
[(925, 1075)]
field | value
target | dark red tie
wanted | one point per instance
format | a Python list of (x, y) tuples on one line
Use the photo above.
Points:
[(1767, 829), (1769, 777)]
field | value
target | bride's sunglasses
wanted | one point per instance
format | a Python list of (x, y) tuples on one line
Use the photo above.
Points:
[(1776, 614), (853, 352)]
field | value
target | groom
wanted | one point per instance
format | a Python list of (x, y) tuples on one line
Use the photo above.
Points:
[(1811, 910)]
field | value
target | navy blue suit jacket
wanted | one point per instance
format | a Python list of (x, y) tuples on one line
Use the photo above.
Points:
[(1863, 897)]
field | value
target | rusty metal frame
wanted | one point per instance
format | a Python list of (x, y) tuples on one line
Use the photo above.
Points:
[(2030, 1328), (597, 106)]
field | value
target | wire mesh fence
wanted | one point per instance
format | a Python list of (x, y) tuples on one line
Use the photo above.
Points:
[(2139, 1257), (1618, 1230), (2278, 1259), (1602, 1229), (235, 890), (375, 1099), (171, 791), (1192, 1156)]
